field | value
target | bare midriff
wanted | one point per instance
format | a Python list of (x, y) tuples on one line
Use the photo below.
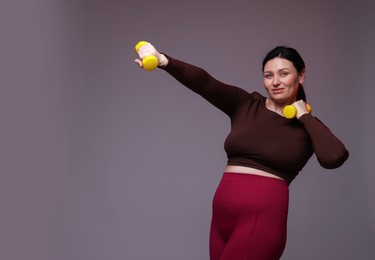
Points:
[(249, 170)]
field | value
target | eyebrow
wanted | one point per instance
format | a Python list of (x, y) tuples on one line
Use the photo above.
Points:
[(267, 71)]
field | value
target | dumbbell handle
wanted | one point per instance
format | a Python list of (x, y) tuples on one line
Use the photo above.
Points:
[(290, 111), (149, 62)]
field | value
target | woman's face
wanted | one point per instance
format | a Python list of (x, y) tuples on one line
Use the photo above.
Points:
[(281, 80)]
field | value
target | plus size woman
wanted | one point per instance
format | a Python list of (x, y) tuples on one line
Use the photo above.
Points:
[(265, 152)]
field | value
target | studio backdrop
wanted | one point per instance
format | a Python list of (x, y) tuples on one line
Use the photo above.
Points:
[(103, 160)]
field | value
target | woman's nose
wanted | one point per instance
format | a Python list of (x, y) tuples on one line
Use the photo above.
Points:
[(276, 81)]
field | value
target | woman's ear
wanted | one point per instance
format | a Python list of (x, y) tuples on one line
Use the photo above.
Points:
[(301, 77)]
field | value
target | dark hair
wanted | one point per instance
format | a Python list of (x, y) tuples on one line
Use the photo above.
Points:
[(293, 56)]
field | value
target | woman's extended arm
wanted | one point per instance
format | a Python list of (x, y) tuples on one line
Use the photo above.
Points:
[(223, 96)]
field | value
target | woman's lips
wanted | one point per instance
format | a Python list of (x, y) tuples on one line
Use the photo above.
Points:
[(277, 90)]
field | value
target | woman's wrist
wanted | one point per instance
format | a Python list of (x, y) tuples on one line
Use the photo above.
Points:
[(163, 61)]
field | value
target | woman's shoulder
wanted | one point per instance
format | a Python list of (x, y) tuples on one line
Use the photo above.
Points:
[(256, 96)]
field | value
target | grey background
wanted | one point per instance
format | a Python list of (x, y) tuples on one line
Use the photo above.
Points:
[(102, 160)]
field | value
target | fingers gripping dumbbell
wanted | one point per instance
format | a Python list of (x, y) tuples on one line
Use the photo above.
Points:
[(290, 111), (149, 62)]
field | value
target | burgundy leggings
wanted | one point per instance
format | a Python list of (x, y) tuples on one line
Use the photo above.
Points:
[(249, 218)]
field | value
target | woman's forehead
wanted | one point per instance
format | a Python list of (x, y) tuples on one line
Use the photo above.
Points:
[(278, 64)]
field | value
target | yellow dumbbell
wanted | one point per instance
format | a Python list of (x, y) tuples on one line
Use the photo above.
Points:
[(290, 111), (149, 62)]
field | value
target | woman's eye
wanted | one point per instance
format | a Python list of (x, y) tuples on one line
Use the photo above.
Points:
[(268, 76), (284, 74)]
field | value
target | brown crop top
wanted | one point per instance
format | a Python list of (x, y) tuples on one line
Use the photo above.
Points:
[(260, 138)]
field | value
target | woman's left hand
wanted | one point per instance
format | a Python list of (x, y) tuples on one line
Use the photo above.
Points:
[(301, 107)]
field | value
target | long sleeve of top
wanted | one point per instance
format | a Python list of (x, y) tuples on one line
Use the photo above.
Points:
[(260, 138)]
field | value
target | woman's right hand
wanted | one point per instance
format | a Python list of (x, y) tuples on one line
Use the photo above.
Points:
[(149, 50)]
